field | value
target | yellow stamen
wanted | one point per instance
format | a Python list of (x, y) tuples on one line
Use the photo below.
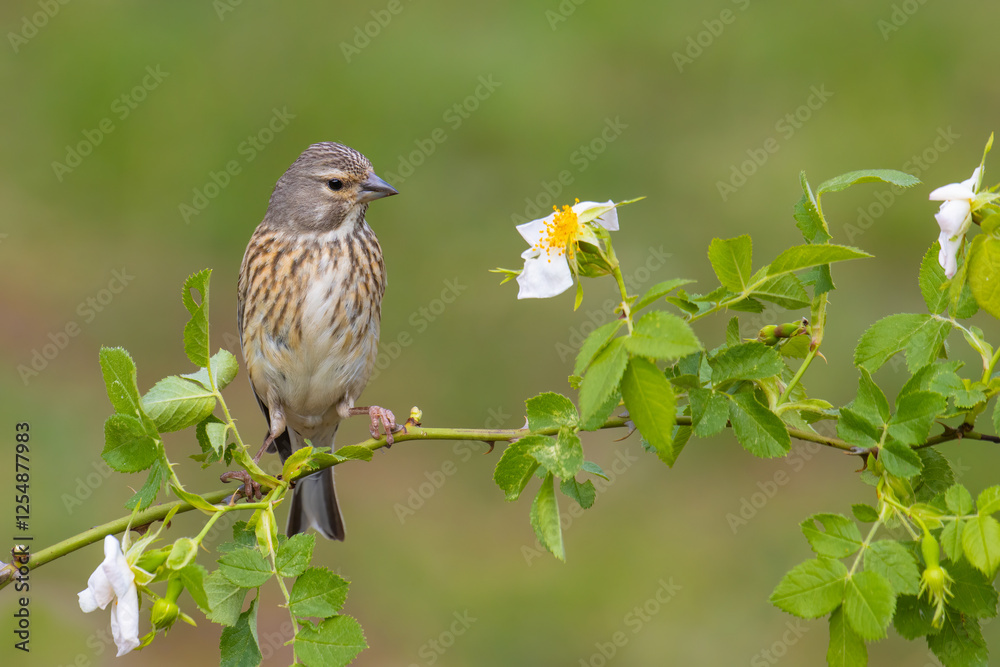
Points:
[(560, 232)]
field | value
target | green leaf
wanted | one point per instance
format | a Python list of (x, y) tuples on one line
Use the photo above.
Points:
[(594, 343), (662, 335), (855, 429), (182, 553), (958, 499), (731, 260), (224, 368), (960, 642), (733, 331), (354, 453), (871, 403), (932, 281), (127, 447), (550, 410), (951, 540), (118, 370), (984, 273), (807, 216), (145, 496), (899, 459), (758, 430), (785, 291), (896, 563), (318, 592), (972, 593), (913, 617), (869, 603), (981, 542), (847, 648), (839, 538), (517, 465), (936, 476), (811, 589), (601, 414), (658, 291), (245, 567), (650, 401), (709, 411), (601, 380), (175, 403), (294, 554), (837, 183), (801, 257), (989, 500), (224, 598), (920, 335), (196, 330), (562, 456), (193, 577), (334, 642), (238, 645), (864, 513), (545, 518), (915, 413), (584, 494), (211, 434), (748, 361)]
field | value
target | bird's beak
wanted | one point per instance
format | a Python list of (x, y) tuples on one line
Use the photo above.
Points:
[(373, 188)]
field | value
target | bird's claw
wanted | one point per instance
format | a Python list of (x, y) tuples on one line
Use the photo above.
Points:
[(249, 489)]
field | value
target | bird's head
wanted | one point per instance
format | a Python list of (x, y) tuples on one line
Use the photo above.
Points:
[(328, 185)]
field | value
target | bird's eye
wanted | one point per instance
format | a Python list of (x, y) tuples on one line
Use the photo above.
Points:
[(335, 184)]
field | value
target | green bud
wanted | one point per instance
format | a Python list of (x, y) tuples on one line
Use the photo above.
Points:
[(164, 613), (767, 335), (931, 551), (592, 262)]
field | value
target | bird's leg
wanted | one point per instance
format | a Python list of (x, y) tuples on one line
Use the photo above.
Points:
[(377, 414), (249, 489), (277, 428)]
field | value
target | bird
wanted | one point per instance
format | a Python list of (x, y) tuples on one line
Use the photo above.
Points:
[(309, 314)]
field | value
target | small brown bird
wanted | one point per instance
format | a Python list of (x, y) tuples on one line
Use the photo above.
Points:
[(310, 297)]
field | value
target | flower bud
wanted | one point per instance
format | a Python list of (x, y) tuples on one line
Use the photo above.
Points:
[(164, 613)]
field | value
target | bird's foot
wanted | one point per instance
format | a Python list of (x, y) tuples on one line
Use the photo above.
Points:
[(376, 415), (249, 489)]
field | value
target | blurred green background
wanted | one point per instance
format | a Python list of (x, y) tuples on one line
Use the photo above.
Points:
[(662, 99)]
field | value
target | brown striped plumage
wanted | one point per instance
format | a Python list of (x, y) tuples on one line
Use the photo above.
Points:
[(310, 294)]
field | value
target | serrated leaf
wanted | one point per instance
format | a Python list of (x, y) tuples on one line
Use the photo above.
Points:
[(318, 592), (869, 603), (709, 412), (915, 413), (932, 281), (921, 336), (864, 513), (785, 291), (899, 459), (334, 642), (893, 177), (731, 260), (193, 577), (951, 540), (545, 518), (550, 410), (119, 374), (801, 257), (517, 465), (238, 644), (594, 343), (658, 291), (984, 273), (662, 335), (914, 617), (602, 378), (562, 456), (245, 567), (354, 453), (733, 331), (960, 642), (224, 598), (870, 402), (758, 430), (855, 429), (583, 493), (981, 543), (807, 216), (935, 477), (748, 361), (145, 496), (650, 401), (972, 593), (896, 563), (224, 369), (958, 499), (211, 434), (175, 403), (196, 330), (847, 648), (127, 447), (988, 501), (294, 554), (811, 589), (839, 538)]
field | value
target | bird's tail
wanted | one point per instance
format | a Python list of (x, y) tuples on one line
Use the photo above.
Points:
[(314, 503)]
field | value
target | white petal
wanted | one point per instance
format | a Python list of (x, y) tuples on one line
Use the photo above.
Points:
[(115, 566), (952, 191), (952, 215), (948, 255), (604, 212), (973, 182), (125, 621), (532, 231), (544, 276), (99, 591)]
